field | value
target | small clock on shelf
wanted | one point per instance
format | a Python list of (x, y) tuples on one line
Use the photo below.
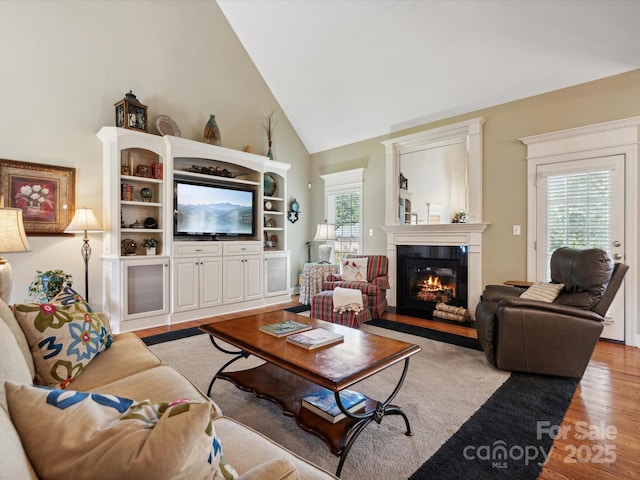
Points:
[(131, 114), (268, 205)]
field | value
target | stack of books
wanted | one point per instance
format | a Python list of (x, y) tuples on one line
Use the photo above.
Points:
[(157, 170), (287, 327), (127, 192), (318, 337), (323, 403)]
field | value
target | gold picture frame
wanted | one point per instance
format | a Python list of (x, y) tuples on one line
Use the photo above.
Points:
[(44, 193)]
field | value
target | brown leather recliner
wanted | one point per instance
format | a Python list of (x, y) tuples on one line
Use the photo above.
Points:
[(555, 338)]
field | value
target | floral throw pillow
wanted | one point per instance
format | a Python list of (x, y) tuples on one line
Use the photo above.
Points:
[(63, 335), (70, 434), (355, 270)]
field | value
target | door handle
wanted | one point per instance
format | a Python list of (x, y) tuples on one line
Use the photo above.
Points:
[(616, 243), (617, 256)]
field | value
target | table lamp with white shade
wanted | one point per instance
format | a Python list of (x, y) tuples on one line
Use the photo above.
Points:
[(13, 239), (84, 221), (325, 232)]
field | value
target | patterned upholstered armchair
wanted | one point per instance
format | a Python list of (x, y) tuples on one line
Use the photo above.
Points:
[(375, 286)]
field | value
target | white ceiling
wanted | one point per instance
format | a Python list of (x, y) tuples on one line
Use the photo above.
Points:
[(345, 71)]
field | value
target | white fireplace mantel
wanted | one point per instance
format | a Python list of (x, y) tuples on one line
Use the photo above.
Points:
[(436, 229), (447, 234)]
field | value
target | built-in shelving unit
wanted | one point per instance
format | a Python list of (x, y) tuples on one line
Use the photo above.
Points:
[(189, 278), (139, 209), (275, 213)]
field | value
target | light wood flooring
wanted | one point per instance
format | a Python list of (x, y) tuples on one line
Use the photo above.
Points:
[(605, 404)]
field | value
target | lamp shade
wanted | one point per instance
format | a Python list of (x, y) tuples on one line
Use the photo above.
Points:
[(12, 235), (325, 231), (84, 220), (13, 239)]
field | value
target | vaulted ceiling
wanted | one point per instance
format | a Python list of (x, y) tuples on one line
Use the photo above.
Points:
[(345, 71)]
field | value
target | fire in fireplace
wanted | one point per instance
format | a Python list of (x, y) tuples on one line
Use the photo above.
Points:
[(428, 275), (436, 286)]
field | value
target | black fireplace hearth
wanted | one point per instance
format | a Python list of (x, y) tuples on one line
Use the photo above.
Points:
[(428, 275)]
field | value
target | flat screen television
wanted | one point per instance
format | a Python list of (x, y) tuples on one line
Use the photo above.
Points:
[(208, 211)]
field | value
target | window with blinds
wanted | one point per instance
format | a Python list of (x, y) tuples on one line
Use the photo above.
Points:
[(343, 210), (578, 208)]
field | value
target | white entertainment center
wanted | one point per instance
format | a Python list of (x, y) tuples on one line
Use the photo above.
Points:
[(191, 276)]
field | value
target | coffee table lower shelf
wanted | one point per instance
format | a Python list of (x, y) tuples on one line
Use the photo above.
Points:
[(286, 389)]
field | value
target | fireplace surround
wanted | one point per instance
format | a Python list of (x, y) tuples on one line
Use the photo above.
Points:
[(468, 235), (428, 275)]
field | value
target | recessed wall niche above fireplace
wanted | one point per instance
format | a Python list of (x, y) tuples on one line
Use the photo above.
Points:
[(425, 233)]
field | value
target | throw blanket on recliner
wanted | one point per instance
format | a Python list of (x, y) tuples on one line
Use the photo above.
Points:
[(347, 299)]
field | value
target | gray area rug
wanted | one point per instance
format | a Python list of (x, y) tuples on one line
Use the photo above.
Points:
[(445, 385)]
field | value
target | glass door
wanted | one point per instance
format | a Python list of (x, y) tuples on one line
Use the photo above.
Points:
[(145, 284)]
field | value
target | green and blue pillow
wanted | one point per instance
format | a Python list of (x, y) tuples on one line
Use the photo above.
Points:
[(64, 335)]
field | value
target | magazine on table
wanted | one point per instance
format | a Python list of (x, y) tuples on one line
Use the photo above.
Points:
[(318, 337), (323, 403), (287, 327)]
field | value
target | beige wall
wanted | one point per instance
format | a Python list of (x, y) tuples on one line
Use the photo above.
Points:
[(504, 170), (65, 63)]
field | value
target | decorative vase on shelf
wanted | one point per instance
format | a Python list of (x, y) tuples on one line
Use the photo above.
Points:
[(270, 185), (270, 152), (212, 132)]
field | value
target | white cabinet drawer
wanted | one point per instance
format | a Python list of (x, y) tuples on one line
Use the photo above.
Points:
[(189, 249), (240, 248)]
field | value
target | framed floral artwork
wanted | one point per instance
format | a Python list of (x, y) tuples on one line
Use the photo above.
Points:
[(44, 193)]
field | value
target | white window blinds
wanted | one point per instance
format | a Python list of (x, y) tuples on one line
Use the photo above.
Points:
[(578, 208), (343, 210)]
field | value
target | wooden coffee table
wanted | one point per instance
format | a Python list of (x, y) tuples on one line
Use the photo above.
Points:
[(291, 372)]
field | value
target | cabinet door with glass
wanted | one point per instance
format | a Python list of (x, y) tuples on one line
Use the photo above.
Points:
[(145, 284), (276, 273)]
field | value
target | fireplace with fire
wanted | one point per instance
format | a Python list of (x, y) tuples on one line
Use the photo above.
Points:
[(428, 275)]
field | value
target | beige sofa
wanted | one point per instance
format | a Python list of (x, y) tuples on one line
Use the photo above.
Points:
[(129, 369)]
